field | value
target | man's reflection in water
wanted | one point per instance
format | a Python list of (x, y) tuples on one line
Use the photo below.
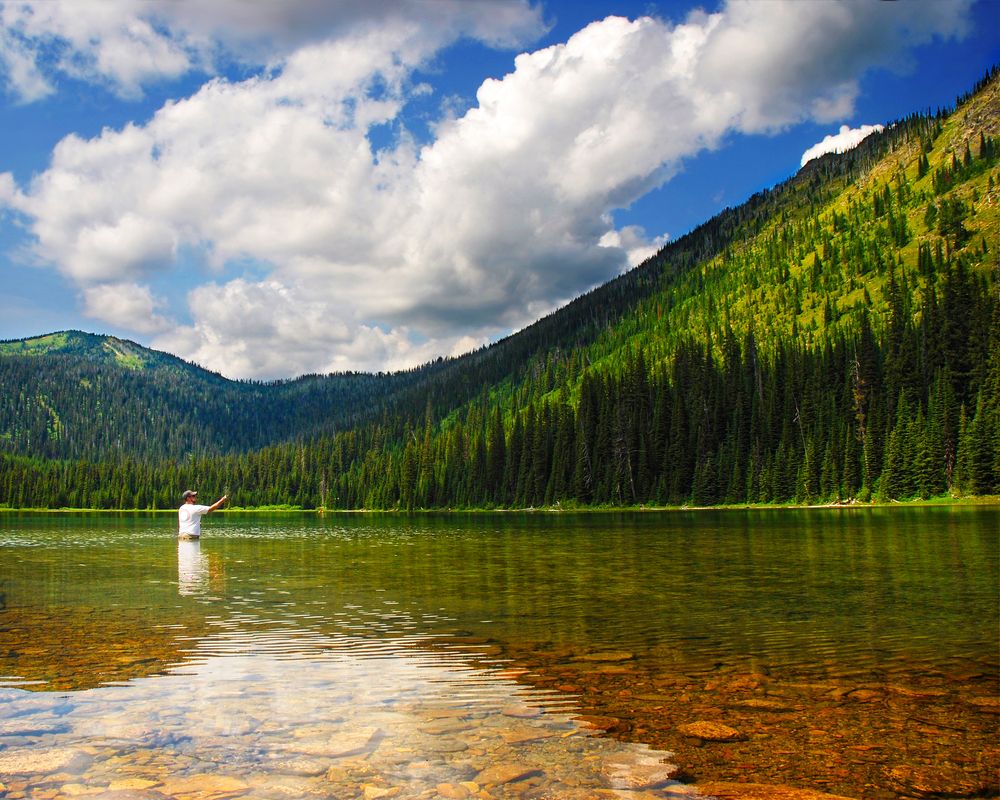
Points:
[(198, 574), (192, 568)]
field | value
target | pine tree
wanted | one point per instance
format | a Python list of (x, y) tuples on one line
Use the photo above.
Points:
[(496, 456), (978, 451)]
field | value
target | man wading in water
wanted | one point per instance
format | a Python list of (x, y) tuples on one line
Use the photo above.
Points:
[(189, 515)]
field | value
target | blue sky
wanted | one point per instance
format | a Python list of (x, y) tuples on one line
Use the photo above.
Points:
[(270, 189)]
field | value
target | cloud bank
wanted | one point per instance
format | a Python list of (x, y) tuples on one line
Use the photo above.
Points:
[(126, 45), (845, 139), (379, 258)]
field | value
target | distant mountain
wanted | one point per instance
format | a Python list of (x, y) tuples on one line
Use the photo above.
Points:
[(836, 337), (99, 349), (80, 395)]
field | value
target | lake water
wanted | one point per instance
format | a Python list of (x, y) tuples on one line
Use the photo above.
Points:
[(851, 651)]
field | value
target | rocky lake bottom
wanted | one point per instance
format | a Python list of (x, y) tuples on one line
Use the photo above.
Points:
[(356, 664), (280, 713)]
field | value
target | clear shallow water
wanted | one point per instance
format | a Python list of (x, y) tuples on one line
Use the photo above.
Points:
[(853, 650)]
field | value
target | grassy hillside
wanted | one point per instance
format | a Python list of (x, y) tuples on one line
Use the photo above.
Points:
[(844, 228), (98, 349)]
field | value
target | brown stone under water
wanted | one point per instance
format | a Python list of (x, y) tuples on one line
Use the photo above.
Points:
[(907, 731), (109, 645)]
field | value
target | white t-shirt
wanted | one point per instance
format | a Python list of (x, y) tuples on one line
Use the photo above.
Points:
[(189, 519)]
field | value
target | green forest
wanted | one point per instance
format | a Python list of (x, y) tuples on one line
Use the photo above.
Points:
[(834, 339)]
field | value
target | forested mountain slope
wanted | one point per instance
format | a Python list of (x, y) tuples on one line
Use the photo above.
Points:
[(78, 395), (837, 337)]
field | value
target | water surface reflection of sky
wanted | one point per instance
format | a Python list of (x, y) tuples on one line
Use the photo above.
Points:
[(257, 707)]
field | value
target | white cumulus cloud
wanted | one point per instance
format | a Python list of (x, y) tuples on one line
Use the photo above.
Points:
[(270, 329), (129, 44), (845, 139), (769, 63), (634, 241), (126, 305), (385, 258)]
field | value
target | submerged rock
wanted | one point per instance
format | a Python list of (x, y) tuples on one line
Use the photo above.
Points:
[(453, 791), (600, 723), (710, 731), (299, 766), (760, 704), (74, 789), (521, 711), (991, 705), (526, 734), (606, 656), (864, 695), (131, 784), (922, 693), (443, 727), (505, 773), (372, 792), (637, 772), (724, 790), (26, 762), (937, 780), (204, 786)]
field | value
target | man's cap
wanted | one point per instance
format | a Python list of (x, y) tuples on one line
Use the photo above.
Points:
[(188, 494)]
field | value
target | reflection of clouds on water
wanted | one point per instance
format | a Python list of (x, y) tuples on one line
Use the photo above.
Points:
[(192, 568), (273, 699)]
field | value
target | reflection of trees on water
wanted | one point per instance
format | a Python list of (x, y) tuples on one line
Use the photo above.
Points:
[(809, 588), (801, 588)]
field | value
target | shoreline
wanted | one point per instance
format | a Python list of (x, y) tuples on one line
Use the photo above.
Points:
[(932, 502)]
